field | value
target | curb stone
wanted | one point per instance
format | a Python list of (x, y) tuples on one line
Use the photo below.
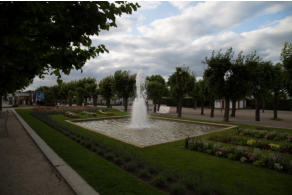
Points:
[(73, 179)]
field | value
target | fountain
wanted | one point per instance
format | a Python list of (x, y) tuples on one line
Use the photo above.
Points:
[(139, 118), (142, 131)]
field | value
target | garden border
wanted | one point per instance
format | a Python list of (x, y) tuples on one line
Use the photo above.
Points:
[(72, 121), (72, 178)]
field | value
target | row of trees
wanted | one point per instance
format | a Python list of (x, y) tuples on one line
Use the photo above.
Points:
[(225, 78), (120, 84), (232, 79)]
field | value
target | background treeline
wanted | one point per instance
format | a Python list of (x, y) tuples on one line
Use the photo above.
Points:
[(263, 84)]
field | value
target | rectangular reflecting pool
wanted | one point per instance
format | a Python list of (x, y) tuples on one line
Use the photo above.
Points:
[(159, 130)]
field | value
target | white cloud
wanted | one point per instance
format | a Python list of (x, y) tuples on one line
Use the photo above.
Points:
[(180, 4), (185, 39)]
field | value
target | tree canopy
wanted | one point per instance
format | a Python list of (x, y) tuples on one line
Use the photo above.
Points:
[(41, 37), (156, 89), (180, 82), (286, 57), (124, 84), (106, 89)]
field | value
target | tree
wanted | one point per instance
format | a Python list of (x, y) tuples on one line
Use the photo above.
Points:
[(210, 95), (70, 97), (106, 89), (80, 95), (179, 83), (286, 57), (219, 75), (41, 37), (277, 86), (260, 74), (239, 80), (156, 89), (124, 84), (201, 93)]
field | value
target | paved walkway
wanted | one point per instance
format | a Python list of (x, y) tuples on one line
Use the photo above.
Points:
[(244, 116), (24, 170)]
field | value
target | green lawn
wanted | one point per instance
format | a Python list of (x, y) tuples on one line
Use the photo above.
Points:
[(102, 175), (227, 176)]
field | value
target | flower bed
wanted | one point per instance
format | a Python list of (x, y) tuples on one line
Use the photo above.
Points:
[(269, 135), (262, 144), (154, 174), (254, 156)]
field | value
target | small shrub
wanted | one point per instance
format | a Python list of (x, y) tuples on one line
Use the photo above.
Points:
[(260, 162), (251, 142), (131, 166), (153, 171), (109, 156), (145, 174), (178, 189), (118, 161), (243, 159), (159, 181)]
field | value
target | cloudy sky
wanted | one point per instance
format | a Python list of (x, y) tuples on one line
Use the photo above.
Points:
[(163, 35)]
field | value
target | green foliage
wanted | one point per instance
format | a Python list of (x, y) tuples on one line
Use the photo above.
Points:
[(159, 181), (286, 57), (156, 89), (106, 89), (124, 85), (39, 37), (180, 83)]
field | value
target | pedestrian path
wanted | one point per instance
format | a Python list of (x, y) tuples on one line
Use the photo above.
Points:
[(23, 167)]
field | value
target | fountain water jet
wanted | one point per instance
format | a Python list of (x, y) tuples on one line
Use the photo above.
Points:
[(139, 118)]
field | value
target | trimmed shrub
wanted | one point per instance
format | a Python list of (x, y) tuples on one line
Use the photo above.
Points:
[(144, 173), (159, 181)]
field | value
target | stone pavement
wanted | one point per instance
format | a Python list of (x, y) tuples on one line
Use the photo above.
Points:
[(243, 116), (24, 170)]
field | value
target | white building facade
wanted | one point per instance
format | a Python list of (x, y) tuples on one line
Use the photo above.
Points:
[(220, 103)]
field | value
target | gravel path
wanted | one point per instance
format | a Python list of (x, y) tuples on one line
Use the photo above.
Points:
[(23, 167)]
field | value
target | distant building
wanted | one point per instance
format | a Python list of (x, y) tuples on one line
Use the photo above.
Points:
[(220, 103)]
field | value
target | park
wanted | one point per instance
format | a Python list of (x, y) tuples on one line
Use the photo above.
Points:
[(224, 130)]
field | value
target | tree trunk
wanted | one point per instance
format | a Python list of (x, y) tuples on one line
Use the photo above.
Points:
[(158, 107), (154, 110), (257, 107), (212, 109), (108, 103), (1, 102), (233, 108), (226, 111), (202, 108), (179, 106), (275, 106), (195, 104), (125, 101), (263, 110), (95, 100)]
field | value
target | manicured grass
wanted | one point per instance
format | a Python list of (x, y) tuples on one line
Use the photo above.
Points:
[(228, 177), (105, 177)]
